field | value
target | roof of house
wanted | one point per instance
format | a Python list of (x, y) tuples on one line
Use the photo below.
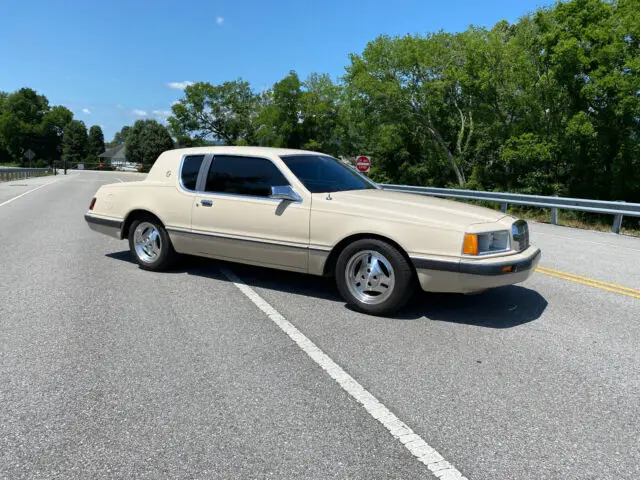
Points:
[(115, 152)]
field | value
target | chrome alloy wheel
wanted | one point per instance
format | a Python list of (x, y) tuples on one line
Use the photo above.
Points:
[(369, 277), (147, 241)]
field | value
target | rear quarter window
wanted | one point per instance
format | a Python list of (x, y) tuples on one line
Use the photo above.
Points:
[(190, 170)]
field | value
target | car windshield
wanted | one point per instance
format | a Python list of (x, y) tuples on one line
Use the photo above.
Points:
[(321, 174)]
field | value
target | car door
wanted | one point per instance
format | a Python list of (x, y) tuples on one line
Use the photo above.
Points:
[(234, 218)]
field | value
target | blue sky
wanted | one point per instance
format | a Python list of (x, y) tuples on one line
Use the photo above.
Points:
[(112, 62)]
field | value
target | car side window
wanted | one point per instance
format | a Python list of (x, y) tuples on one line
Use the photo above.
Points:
[(243, 176), (190, 169)]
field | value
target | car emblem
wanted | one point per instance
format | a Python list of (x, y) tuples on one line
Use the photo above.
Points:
[(168, 173)]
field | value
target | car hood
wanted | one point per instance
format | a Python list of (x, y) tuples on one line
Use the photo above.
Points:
[(406, 207)]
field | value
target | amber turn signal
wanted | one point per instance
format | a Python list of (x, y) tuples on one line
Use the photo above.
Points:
[(470, 246)]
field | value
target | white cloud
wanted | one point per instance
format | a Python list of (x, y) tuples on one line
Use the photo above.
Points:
[(175, 102), (140, 113), (180, 85), (161, 115), (220, 20), (86, 110)]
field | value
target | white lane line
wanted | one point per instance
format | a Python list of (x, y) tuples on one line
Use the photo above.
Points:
[(121, 181), (26, 193), (412, 442)]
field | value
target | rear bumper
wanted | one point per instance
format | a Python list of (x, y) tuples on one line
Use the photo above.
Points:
[(107, 226), (466, 276)]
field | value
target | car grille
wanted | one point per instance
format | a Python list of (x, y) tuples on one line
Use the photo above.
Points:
[(520, 233)]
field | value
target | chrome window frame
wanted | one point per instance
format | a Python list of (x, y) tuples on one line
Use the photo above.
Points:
[(180, 167)]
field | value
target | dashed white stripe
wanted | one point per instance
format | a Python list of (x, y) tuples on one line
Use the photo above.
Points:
[(26, 193), (121, 181), (411, 441)]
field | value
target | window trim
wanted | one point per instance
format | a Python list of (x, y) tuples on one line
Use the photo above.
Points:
[(364, 177), (209, 162), (184, 156)]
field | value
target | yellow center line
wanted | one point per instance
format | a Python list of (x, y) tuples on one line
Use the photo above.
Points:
[(609, 287), (587, 279)]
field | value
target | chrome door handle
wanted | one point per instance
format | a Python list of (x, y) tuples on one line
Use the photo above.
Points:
[(206, 203)]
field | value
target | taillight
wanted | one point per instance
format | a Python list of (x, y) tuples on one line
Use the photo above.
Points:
[(93, 202)]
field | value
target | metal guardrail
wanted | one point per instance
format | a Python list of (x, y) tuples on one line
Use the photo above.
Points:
[(619, 209), (10, 173)]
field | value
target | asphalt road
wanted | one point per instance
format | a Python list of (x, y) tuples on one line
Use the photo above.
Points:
[(108, 371)]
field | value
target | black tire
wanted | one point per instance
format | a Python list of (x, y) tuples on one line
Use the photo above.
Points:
[(167, 254), (404, 277)]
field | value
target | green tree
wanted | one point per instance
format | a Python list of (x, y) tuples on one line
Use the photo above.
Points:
[(21, 122), (548, 105), (224, 113), (320, 107), (296, 114), (280, 120), (593, 52), (146, 141), (74, 141), (56, 119), (53, 125), (406, 93), (120, 137), (95, 143), (185, 141)]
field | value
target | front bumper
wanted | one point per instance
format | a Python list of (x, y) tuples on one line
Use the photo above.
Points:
[(107, 226), (471, 275)]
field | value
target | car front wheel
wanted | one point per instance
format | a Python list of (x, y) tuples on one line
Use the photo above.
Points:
[(374, 277), (150, 244)]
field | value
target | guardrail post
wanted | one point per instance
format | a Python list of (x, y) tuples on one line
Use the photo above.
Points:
[(617, 222), (554, 214), (503, 207)]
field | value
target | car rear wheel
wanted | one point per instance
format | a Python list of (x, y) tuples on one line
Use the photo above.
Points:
[(374, 277), (150, 244)]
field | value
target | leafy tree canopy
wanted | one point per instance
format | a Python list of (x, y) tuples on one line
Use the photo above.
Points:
[(146, 141), (95, 142)]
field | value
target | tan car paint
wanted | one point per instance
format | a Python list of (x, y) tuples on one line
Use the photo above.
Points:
[(285, 226), (300, 236), (420, 225)]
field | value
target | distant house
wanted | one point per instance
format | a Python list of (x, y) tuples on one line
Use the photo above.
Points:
[(116, 156)]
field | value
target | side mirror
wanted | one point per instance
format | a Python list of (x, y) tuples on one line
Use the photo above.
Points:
[(285, 192)]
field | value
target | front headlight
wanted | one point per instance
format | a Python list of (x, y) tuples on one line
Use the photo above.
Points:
[(486, 243)]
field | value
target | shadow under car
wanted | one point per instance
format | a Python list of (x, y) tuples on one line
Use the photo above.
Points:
[(502, 307)]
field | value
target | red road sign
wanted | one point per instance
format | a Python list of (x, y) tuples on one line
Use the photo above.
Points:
[(363, 164)]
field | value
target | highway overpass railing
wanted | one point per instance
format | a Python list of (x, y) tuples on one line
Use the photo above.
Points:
[(7, 173), (555, 203)]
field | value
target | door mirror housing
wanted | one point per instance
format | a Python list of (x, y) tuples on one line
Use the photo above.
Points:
[(285, 192)]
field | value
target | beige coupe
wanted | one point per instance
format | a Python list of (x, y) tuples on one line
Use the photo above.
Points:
[(308, 212)]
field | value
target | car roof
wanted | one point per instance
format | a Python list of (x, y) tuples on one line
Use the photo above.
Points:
[(170, 159), (245, 150)]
